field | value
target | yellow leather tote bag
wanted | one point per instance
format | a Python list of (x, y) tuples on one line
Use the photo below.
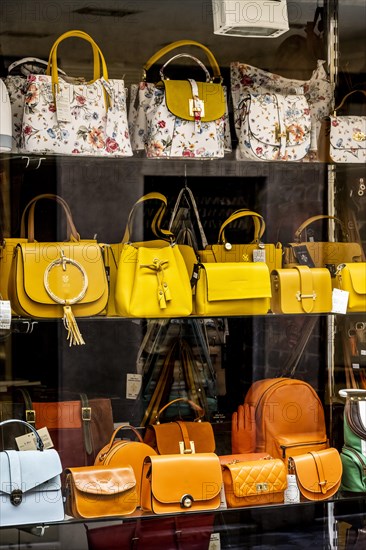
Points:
[(152, 278), (50, 280)]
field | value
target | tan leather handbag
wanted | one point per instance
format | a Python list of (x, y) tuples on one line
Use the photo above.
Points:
[(100, 491), (301, 290), (308, 251), (181, 483), (118, 453), (318, 473), (181, 436), (254, 482)]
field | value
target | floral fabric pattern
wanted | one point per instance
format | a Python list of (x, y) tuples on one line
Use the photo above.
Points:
[(158, 132), (274, 127), (16, 89), (95, 123), (317, 90), (348, 138)]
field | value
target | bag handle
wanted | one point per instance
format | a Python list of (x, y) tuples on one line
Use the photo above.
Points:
[(346, 97), (114, 435), (194, 406), (97, 54), (258, 220), (156, 223), (178, 44), (186, 193), (26, 60), (187, 55), (71, 229), (309, 221), (39, 441), (353, 393)]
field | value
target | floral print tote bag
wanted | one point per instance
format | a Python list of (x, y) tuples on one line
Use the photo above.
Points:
[(180, 118), (69, 117)]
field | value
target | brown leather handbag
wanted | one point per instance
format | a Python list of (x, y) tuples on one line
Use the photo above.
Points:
[(100, 491), (254, 482), (181, 483), (119, 452), (318, 473), (181, 436)]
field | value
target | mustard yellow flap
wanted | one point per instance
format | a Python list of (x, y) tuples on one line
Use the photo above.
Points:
[(102, 480), (258, 477), (237, 281), (179, 92), (34, 258), (173, 476), (319, 472), (357, 274)]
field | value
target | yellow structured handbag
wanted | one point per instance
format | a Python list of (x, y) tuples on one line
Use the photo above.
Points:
[(255, 251), (351, 277), (100, 491), (308, 251), (227, 288), (301, 290), (58, 279), (318, 473), (181, 483), (254, 482), (152, 278)]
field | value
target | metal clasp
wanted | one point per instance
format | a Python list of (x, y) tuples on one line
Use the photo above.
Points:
[(86, 414), (300, 296), (279, 134), (16, 497)]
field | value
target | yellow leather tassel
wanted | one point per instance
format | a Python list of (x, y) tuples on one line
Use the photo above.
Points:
[(167, 293), (73, 332), (161, 297)]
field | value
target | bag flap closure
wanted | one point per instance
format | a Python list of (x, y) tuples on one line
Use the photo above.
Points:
[(237, 280), (258, 477), (284, 117), (99, 480), (348, 132), (168, 436), (178, 94), (357, 273), (318, 472), (26, 470), (174, 476), (301, 439), (35, 258)]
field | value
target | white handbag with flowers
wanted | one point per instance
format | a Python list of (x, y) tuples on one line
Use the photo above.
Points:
[(68, 117), (180, 118)]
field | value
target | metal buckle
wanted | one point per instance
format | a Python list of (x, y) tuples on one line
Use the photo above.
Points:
[(300, 296), (30, 416), (260, 487), (193, 110), (86, 414), (184, 451), (16, 497)]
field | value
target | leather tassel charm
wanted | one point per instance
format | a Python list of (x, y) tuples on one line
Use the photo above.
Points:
[(73, 333)]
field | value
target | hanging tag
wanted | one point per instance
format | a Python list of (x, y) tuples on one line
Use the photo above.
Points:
[(5, 314), (133, 385), (339, 301), (215, 542), (223, 504), (292, 493), (28, 441), (259, 255), (63, 110)]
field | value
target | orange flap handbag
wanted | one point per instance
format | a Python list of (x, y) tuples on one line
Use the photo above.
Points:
[(121, 452), (181, 436), (254, 482), (318, 473), (100, 491), (181, 483)]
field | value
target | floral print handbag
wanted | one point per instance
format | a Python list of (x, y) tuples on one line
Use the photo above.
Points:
[(180, 118), (75, 117)]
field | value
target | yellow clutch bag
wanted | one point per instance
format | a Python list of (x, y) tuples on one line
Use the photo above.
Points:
[(181, 483), (254, 482), (240, 288), (352, 278), (301, 290)]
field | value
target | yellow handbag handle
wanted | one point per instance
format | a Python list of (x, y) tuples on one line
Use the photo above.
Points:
[(178, 44), (155, 225), (52, 62), (73, 235), (309, 221), (259, 224), (96, 69), (346, 97)]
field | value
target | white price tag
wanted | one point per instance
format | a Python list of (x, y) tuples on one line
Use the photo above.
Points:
[(63, 107), (259, 255), (215, 542), (5, 314), (133, 385), (44, 434), (223, 504), (339, 301), (28, 441)]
